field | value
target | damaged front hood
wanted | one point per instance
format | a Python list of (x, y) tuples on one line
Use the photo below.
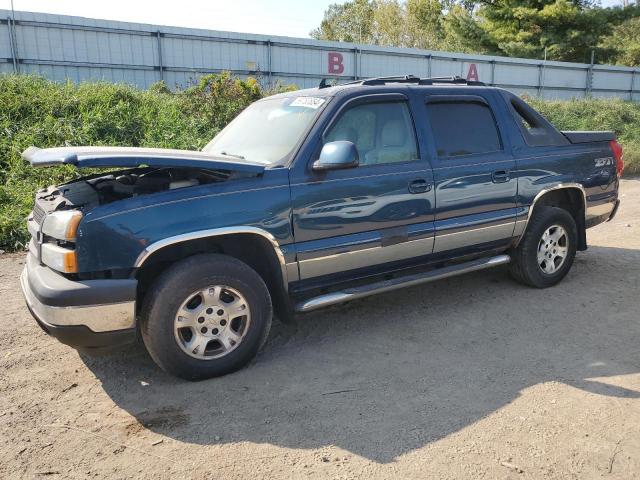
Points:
[(99, 157)]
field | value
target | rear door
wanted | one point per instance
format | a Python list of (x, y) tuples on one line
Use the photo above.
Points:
[(474, 175), (380, 212)]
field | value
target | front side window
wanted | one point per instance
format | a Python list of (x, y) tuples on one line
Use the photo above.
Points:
[(267, 131), (463, 128), (382, 132)]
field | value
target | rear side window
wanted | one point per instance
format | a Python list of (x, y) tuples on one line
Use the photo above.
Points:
[(463, 128)]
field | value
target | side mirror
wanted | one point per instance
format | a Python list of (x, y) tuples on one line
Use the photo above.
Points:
[(337, 155)]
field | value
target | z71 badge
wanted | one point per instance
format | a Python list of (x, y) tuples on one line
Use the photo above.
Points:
[(602, 162)]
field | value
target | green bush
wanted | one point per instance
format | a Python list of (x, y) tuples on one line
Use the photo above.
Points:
[(596, 114), (35, 111)]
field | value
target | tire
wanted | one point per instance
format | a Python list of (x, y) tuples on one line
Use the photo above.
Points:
[(225, 317), (525, 266)]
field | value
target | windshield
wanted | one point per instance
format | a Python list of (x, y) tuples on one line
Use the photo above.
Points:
[(266, 131)]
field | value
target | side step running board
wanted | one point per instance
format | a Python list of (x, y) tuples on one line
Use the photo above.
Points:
[(400, 282)]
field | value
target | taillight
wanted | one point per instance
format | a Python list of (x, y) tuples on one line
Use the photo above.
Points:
[(616, 148)]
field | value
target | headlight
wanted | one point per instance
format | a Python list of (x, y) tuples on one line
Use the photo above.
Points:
[(62, 225), (59, 258)]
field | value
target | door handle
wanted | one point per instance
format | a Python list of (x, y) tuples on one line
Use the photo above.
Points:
[(419, 186), (500, 176)]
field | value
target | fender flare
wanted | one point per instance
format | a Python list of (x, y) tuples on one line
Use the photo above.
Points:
[(543, 192), (217, 232)]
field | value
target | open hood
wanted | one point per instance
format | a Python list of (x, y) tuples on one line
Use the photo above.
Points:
[(126, 157)]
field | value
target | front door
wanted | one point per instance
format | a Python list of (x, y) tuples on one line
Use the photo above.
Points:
[(380, 212), (474, 176)]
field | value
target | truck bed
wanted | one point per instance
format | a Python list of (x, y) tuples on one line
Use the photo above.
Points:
[(588, 137)]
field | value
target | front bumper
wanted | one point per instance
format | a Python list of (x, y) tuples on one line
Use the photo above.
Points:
[(92, 315)]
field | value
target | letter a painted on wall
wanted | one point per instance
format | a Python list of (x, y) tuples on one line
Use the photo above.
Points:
[(472, 74), (335, 63)]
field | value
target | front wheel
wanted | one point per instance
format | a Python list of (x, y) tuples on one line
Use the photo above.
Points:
[(206, 316), (547, 250)]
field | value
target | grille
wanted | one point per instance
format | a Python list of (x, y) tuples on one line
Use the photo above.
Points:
[(38, 214)]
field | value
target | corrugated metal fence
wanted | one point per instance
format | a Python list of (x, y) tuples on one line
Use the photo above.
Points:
[(63, 47)]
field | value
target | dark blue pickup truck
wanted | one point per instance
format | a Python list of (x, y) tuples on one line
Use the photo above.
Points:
[(308, 199)]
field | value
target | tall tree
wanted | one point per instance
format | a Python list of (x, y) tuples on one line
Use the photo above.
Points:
[(425, 24), (560, 29), (568, 30), (351, 21), (410, 23), (389, 23), (623, 45), (463, 32)]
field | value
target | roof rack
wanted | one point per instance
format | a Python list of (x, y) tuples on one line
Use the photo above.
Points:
[(456, 80)]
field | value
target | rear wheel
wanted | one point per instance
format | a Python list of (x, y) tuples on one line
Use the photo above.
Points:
[(547, 250), (206, 316)]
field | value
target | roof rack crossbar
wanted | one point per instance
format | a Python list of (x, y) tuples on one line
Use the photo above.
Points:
[(391, 79), (453, 79), (456, 80)]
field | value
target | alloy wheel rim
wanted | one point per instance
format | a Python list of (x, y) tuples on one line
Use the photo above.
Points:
[(212, 322), (553, 249)]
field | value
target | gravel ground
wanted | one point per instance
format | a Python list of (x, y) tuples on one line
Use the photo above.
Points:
[(471, 377)]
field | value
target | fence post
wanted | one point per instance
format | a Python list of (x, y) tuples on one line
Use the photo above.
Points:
[(540, 78), (429, 65), (633, 81), (541, 68), (160, 64), (355, 63), (269, 79), (493, 72), (12, 43), (589, 83)]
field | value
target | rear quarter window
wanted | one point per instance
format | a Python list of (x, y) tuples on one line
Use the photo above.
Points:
[(535, 129)]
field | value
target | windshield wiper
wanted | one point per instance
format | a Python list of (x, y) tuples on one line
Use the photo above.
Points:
[(234, 155)]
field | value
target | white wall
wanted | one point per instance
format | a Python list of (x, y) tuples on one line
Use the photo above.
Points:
[(63, 47)]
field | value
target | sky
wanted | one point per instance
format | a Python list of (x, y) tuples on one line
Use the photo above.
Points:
[(292, 18)]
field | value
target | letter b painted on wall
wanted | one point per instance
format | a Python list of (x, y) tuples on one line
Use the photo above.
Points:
[(335, 65)]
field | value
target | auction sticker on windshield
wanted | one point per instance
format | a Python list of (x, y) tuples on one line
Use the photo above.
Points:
[(308, 102)]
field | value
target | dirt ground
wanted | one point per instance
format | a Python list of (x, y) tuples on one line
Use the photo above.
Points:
[(471, 377)]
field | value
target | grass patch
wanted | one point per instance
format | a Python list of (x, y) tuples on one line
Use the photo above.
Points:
[(35, 111)]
